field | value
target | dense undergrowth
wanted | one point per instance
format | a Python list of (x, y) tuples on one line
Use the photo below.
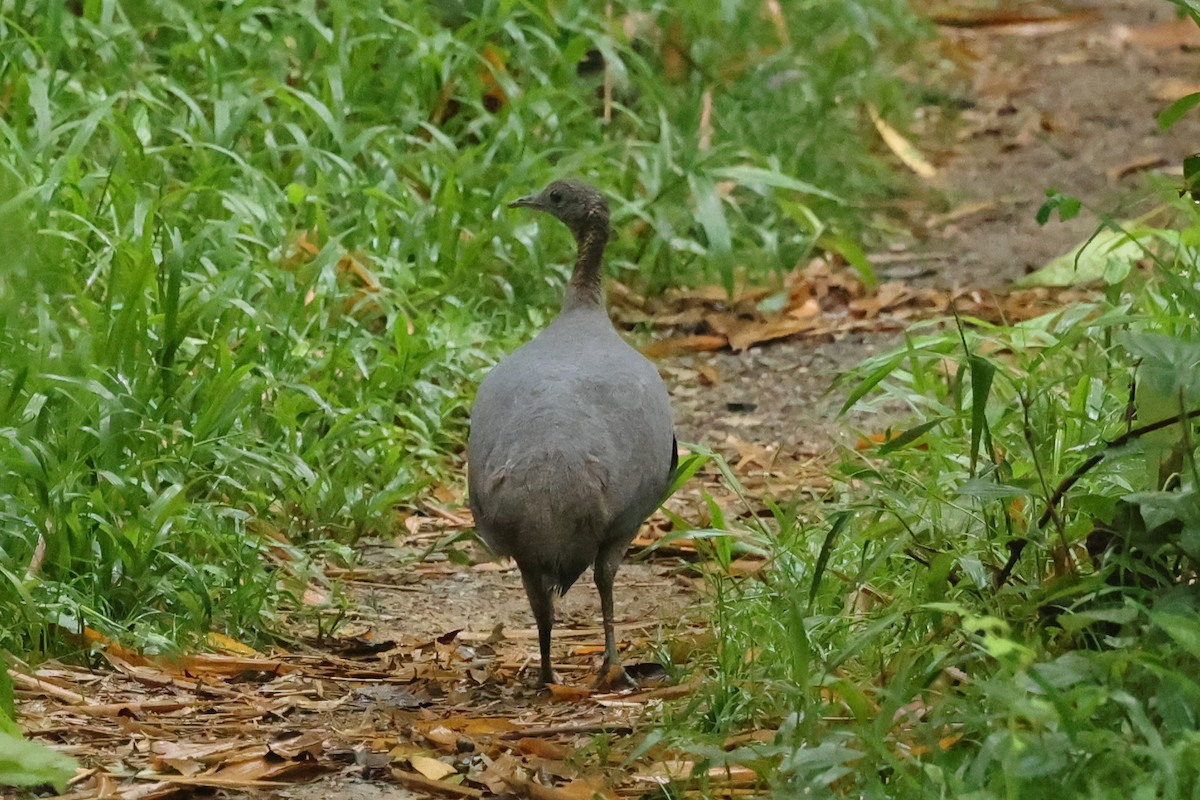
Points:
[(256, 254), (1002, 601)]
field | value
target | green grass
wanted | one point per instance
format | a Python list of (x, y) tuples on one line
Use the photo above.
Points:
[(895, 657), (183, 383)]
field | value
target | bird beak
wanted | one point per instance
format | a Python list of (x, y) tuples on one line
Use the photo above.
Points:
[(528, 201)]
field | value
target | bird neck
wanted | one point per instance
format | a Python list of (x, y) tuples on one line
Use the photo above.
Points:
[(585, 289)]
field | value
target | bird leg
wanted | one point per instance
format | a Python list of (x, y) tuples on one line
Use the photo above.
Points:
[(606, 571), (541, 600)]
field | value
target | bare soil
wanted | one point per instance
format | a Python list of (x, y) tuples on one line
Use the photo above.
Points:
[(1068, 108)]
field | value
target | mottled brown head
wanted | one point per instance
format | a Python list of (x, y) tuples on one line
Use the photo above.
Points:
[(581, 207)]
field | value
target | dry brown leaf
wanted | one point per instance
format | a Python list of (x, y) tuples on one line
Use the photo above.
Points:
[(543, 748), (747, 566), (472, 726), (1174, 34), (247, 770), (440, 734), (494, 97), (806, 308), (1168, 90), (751, 452), (687, 317), (684, 344), (311, 744), (568, 694), (499, 774), (448, 494), (710, 376), (494, 566), (962, 212), (315, 597), (1134, 166), (352, 264), (145, 675), (208, 663), (761, 736), (300, 251), (589, 788), (722, 322), (651, 695), (752, 333), (581, 789), (188, 758), (39, 555), (417, 781), (666, 771), (675, 59), (1013, 22), (96, 638)]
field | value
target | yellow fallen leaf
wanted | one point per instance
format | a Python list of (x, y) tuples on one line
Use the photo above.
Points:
[(569, 694), (430, 767), (903, 148), (224, 644)]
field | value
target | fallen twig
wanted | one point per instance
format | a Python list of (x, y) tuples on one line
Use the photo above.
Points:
[(571, 728)]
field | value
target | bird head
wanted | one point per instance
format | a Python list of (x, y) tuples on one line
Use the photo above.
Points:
[(579, 206)]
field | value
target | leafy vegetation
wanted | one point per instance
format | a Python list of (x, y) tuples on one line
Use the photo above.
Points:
[(258, 257), (27, 763), (1002, 600)]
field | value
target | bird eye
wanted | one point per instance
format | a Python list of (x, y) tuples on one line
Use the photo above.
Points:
[(556, 196)]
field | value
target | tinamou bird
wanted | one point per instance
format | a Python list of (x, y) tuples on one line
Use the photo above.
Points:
[(572, 445)]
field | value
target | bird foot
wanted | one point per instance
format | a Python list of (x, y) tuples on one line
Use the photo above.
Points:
[(613, 677), (545, 682), (536, 679)]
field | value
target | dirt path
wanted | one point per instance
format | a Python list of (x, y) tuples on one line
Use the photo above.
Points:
[(437, 667), (1071, 108)]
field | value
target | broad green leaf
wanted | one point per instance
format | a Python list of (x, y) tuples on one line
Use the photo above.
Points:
[(1087, 262), (710, 213), (836, 525), (1184, 629), (909, 436), (854, 255), (987, 489), (1174, 112), (26, 763), (871, 381), (982, 372)]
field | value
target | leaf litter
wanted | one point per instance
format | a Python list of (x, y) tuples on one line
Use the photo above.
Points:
[(821, 300), (448, 714), (396, 698)]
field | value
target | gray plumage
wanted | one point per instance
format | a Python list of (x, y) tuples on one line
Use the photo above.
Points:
[(571, 444)]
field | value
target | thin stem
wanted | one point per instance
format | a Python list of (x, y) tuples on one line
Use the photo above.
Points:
[(1017, 546)]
